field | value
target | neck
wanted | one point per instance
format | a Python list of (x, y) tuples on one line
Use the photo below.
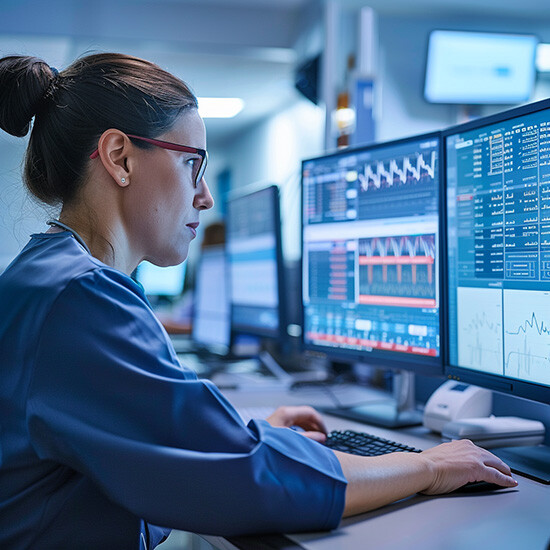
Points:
[(108, 244)]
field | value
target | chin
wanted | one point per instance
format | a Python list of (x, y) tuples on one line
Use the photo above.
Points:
[(180, 256), (170, 258)]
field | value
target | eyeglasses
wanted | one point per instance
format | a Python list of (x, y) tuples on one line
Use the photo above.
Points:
[(198, 170)]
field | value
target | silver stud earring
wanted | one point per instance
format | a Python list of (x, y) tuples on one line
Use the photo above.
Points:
[(123, 180)]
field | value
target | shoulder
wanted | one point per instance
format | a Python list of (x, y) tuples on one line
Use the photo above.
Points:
[(101, 296), (102, 317), (52, 264), (55, 285)]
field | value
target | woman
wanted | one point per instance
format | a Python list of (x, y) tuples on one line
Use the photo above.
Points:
[(102, 432)]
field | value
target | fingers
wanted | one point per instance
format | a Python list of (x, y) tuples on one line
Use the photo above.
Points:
[(504, 480), (303, 416), (502, 469), (496, 469), (309, 418), (495, 462), (499, 471), (493, 475)]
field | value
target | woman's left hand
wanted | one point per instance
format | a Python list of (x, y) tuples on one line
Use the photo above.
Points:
[(303, 417)]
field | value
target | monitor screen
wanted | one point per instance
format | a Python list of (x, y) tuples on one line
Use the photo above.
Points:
[(255, 262), (477, 68), (498, 241), (211, 310), (163, 282), (371, 249)]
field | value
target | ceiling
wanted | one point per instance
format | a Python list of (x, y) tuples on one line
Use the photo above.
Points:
[(231, 48), (526, 8)]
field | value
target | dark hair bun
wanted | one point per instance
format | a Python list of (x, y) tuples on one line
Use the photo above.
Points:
[(23, 83)]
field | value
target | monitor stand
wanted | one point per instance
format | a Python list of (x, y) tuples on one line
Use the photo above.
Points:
[(397, 412), (273, 377), (290, 379), (532, 462)]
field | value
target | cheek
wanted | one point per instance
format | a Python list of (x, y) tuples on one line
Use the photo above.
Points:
[(182, 194), (165, 200), (176, 208), (146, 205)]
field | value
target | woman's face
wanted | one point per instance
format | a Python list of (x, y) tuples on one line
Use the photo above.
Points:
[(165, 206)]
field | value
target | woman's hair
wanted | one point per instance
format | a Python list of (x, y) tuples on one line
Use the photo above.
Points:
[(71, 110)]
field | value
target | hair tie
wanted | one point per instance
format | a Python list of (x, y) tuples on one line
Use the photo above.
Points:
[(54, 71)]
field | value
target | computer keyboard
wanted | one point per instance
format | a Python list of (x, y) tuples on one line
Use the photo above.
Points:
[(348, 441), (363, 444)]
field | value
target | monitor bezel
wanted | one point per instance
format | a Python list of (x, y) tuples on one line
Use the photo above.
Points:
[(527, 390), (393, 360), (278, 333), (480, 102)]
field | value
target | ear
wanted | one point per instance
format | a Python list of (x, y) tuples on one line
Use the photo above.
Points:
[(115, 151)]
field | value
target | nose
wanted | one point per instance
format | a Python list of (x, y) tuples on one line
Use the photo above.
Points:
[(203, 198)]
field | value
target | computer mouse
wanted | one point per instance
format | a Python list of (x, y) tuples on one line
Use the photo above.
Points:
[(478, 487)]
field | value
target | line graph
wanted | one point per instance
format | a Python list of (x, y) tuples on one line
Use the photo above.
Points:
[(398, 172), (532, 324), (527, 335), (479, 312)]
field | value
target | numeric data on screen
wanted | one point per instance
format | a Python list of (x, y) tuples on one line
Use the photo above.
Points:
[(498, 208)]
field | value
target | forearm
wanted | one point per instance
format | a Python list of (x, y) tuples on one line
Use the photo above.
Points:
[(377, 481)]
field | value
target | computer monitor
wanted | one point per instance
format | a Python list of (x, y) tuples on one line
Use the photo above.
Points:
[(211, 310), (254, 254), (498, 242), (468, 68), (161, 283), (371, 262)]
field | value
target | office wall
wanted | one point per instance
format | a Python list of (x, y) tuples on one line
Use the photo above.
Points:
[(271, 152), (19, 214)]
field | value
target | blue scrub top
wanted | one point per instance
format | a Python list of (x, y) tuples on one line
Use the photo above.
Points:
[(103, 434)]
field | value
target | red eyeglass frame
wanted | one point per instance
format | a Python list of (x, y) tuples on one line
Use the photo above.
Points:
[(172, 147)]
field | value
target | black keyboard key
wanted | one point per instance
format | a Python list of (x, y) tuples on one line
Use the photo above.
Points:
[(363, 444)]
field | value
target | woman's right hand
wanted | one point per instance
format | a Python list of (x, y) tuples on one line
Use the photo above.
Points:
[(459, 462), (380, 480)]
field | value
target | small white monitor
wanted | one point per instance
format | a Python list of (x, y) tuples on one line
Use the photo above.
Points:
[(211, 309), (471, 68), (161, 281)]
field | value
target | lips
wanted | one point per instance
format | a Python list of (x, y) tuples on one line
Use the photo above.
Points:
[(193, 227)]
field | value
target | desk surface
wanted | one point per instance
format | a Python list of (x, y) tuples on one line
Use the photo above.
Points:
[(509, 519)]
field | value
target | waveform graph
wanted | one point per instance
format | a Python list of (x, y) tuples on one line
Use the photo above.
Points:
[(479, 320), (398, 270), (527, 335), (408, 170)]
